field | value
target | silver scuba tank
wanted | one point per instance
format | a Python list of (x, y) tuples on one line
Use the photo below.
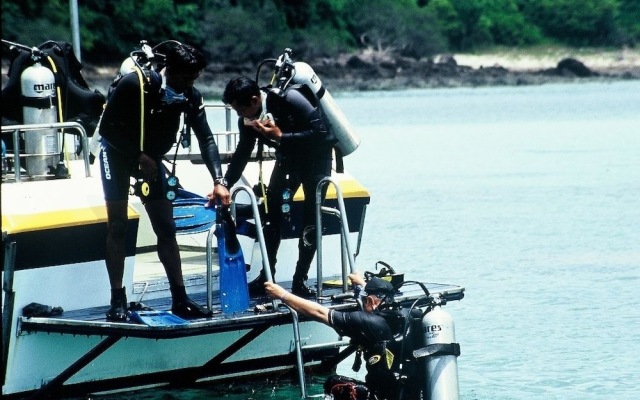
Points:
[(336, 121), (38, 86), (441, 381)]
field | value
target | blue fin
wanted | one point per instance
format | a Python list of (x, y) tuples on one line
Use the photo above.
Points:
[(157, 318), (234, 293), (190, 213)]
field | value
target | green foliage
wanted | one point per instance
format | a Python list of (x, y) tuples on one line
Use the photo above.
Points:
[(507, 26), (449, 21), (574, 22), (112, 29), (472, 24), (628, 20), (474, 30), (394, 26), (34, 22), (242, 31), (238, 34)]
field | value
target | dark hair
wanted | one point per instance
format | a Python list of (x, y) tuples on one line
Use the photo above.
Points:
[(186, 59), (240, 90)]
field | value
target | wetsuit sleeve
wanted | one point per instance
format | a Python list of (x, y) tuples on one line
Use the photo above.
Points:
[(120, 125), (197, 118), (302, 110), (242, 153), (339, 321), (362, 327)]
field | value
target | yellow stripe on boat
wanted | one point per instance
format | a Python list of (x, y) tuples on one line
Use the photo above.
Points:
[(19, 223), (351, 188)]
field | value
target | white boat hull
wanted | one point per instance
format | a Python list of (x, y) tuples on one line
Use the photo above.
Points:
[(54, 234)]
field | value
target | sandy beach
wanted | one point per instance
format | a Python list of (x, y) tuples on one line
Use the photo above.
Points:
[(611, 61)]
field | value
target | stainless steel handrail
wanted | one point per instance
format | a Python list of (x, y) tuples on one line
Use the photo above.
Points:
[(298, 349), (344, 232), (33, 127), (261, 242)]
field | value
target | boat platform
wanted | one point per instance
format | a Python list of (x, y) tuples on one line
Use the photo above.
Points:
[(247, 326), (262, 311)]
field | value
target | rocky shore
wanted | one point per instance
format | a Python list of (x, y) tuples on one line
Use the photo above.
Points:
[(369, 70)]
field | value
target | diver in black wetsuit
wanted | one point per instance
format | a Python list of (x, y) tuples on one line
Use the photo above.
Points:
[(166, 96), (291, 122), (367, 329)]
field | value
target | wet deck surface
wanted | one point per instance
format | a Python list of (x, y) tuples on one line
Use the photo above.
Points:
[(91, 321)]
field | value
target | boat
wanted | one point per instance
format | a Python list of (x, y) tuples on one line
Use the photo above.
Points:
[(53, 235)]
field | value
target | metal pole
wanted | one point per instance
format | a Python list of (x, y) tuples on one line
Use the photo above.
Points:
[(9, 296), (298, 346), (212, 232), (263, 248), (75, 28)]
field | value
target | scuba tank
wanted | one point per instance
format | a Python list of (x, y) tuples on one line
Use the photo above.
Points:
[(429, 350), (38, 86), (300, 73), (441, 365), (424, 344), (334, 118)]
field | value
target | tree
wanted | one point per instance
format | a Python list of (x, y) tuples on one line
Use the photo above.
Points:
[(574, 22), (628, 20), (35, 21), (399, 27)]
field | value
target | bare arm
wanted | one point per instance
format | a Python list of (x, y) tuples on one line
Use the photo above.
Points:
[(303, 306)]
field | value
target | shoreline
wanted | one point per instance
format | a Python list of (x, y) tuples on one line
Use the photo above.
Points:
[(370, 71)]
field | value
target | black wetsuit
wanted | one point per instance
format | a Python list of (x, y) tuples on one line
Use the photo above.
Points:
[(120, 131), (303, 157), (371, 332)]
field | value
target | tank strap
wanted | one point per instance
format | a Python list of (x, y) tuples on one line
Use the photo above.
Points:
[(339, 159), (40, 102), (438, 349)]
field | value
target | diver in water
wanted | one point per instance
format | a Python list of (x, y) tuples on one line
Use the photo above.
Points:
[(290, 122), (132, 147), (366, 328)]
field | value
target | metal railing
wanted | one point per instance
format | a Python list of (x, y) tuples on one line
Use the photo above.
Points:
[(76, 128), (345, 247), (226, 135), (259, 233)]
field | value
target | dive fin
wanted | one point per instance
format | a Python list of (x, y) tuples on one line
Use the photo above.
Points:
[(190, 213), (234, 293)]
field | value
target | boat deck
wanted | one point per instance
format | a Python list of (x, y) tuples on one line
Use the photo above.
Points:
[(91, 321)]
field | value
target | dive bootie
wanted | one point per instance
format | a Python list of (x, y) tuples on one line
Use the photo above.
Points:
[(189, 309), (300, 289), (186, 308), (118, 311)]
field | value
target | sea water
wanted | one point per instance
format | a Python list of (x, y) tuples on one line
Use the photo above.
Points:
[(529, 197)]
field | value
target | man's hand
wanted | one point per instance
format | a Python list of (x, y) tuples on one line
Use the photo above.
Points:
[(148, 167), (221, 193), (356, 279), (274, 290), (267, 129)]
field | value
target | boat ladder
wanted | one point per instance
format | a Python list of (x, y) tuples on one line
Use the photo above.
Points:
[(347, 256)]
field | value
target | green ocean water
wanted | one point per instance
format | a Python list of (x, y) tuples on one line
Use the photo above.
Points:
[(527, 196)]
